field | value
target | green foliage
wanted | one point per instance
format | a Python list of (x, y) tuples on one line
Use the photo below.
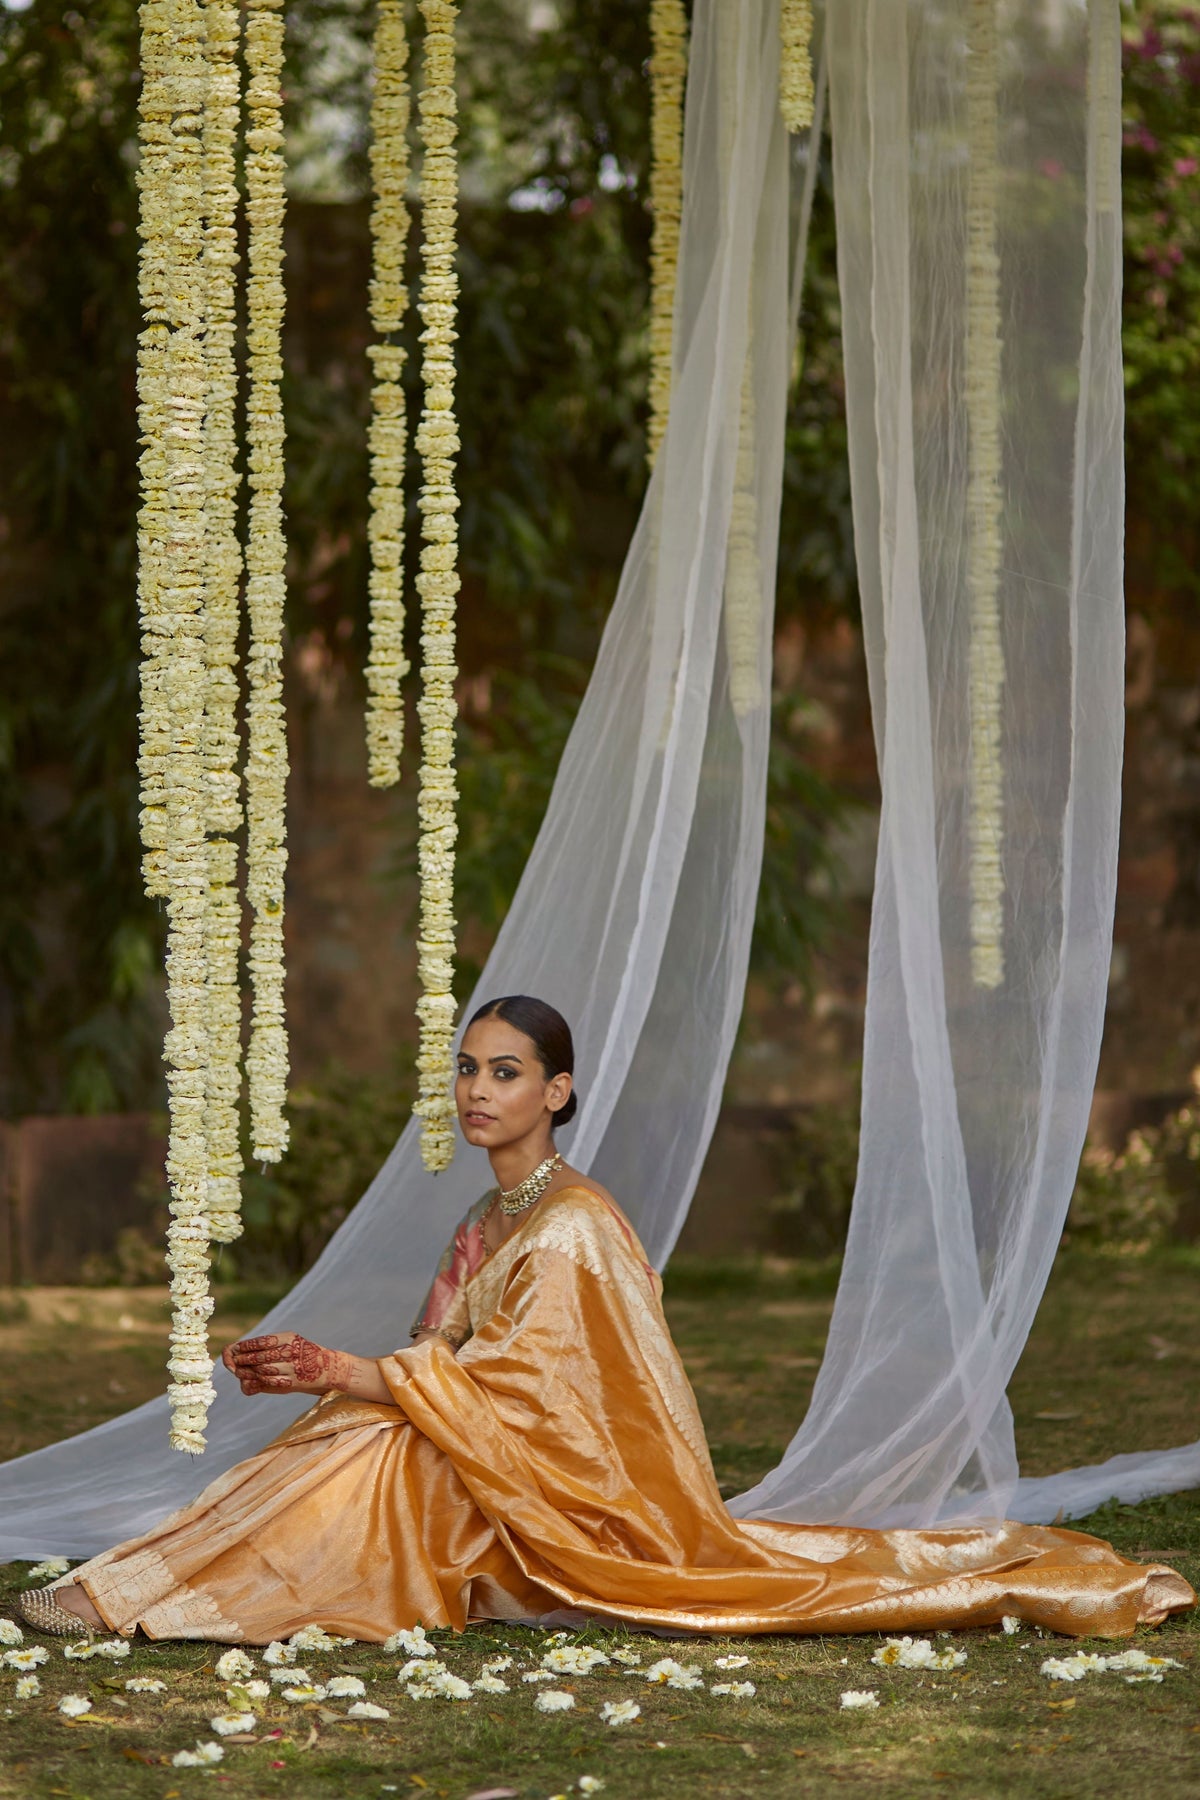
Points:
[(816, 1160), (1146, 1193)]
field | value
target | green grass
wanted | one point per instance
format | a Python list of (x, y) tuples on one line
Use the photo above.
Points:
[(1108, 1368)]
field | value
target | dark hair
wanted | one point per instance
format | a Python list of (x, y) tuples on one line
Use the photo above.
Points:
[(549, 1033)]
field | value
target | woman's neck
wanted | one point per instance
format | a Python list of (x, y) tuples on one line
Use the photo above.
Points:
[(511, 1163)]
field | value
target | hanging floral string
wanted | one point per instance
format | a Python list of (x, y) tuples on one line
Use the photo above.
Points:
[(173, 387), (795, 64), (386, 664), (223, 911), (437, 584), (743, 567), (266, 767), (985, 668), (668, 73)]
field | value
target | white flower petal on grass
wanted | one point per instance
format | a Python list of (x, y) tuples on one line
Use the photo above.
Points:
[(24, 1660), (255, 1690), (916, 1653), (620, 1712), (233, 1665), (366, 1709), (303, 1691), (282, 1677), (413, 1643), (10, 1632), (198, 1758), (73, 1706), (276, 1654), (573, 1659), (737, 1690), (145, 1684), (731, 1662), (630, 1658), (53, 1565), (81, 1650), (860, 1700), (315, 1637), (554, 1700), (496, 1665), (1138, 1659), (490, 1684), (225, 1724), (589, 1784), (29, 1687), (1011, 1624), (538, 1675), (345, 1687), (115, 1649), (558, 1637), (668, 1673), (1140, 1680), (1073, 1668), (421, 1671)]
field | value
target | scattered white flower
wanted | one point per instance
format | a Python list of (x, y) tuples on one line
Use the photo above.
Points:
[(620, 1712), (413, 1643), (1011, 1624), (490, 1684), (145, 1684), (197, 1758), (345, 1687), (10, 1632), (283, 1676), (1135, 1665), (28, 1687), (438, 1684), (115, 1649), (421, 1671), (558, 1637), (731, 1662), (737, 1690), (1139, 1680), (366, 1709), (315, 1637), (860, 1700), (254, 1690), (668, 1673), (1138, 1659), (496, 1665), (233, 1665), (554, 1700), (538, 1675), (573, 1659), (630, 1658), (303, 1691), (276, 1654), (589, 1784), (1073, 1668), (81, 1650), (225, 1724), (53, 1565), (916, 1653), (73, 1706), (24, 1660)]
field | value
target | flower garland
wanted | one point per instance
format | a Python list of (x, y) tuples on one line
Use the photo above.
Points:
[(437, 584), (743, 568), (795, 64), (985, 663), (668, 73), (386, 664), (266, 768), (173, 388), (223, 911)]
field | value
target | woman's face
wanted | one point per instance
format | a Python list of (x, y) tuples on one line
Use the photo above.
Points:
[(501, 1091)]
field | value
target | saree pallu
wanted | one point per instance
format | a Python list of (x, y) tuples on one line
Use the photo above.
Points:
[(556, 1460)]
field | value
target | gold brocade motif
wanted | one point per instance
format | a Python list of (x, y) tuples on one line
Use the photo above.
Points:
[(558, 1460)]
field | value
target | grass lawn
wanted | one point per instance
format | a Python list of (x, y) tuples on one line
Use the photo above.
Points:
[(1111, 1366)]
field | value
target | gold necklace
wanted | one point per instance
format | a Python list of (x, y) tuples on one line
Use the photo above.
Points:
[(520, 1198)]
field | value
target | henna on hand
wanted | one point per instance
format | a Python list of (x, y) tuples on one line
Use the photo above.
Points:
[(287, 1363)]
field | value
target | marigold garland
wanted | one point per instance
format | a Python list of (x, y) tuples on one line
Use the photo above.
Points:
[(173, 387), (668, 74), (795, 64), (985, 666), (437, 584), (266, 768), (223, 911), (386, 664)]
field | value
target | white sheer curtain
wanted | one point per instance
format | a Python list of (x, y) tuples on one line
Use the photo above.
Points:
[(634, 913)]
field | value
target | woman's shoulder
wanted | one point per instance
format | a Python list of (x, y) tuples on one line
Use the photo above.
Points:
[(583, 1210)]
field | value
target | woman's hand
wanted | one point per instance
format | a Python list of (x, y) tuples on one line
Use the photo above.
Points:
[(286, 1363)]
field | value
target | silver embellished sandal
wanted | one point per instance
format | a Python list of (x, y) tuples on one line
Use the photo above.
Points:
[(41, 1610)]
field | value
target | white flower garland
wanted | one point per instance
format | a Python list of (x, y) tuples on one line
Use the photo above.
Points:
[(743, 568), (266, 769), (173, 390), (985, 667), (386, 663), (223, 911), (668, 74), (795, 64), (437, 584)]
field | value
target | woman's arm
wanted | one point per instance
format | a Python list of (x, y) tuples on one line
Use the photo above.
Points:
[(286, 1363)]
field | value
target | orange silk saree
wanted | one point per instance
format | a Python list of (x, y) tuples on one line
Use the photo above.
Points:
[(557, 1460)]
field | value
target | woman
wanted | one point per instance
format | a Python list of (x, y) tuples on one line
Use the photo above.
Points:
[(538, 1447)]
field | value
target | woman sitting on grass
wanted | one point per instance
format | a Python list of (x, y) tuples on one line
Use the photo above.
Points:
[(538, 1447)]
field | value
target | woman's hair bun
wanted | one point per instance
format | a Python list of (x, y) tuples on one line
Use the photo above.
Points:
[(566, 1113)]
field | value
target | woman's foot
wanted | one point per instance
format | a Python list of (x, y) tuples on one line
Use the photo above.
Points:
[(63, 1612), (74, 1600)]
